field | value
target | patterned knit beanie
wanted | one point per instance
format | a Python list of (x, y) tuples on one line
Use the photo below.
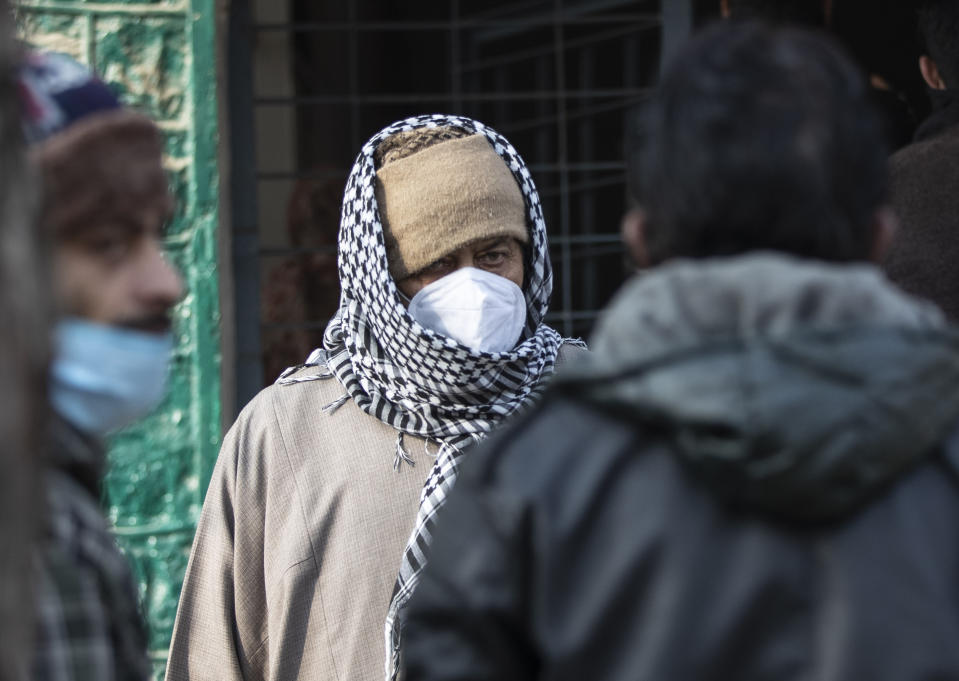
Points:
[(96, 159), (439, 189)]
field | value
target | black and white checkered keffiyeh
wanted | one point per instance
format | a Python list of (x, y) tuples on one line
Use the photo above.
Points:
[(419, 381)]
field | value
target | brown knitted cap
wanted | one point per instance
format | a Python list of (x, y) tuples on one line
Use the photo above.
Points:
[(103, 166), (444, 196)]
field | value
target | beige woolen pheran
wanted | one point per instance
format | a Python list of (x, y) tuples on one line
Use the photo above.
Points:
[(443, 197)]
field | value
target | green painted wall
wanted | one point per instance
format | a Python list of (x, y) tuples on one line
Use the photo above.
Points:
[(160, 57)]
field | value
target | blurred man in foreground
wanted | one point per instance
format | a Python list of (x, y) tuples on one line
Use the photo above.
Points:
[(104, 208), (754, 474)]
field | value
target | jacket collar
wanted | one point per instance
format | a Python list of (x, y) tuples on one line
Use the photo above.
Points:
[(945, 115), (76, 453)]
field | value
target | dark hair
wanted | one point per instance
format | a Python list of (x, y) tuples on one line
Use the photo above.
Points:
[(939, 33), (809, 12), (759, 138)]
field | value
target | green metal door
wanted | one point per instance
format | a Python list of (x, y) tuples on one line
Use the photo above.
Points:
[(160, 57)]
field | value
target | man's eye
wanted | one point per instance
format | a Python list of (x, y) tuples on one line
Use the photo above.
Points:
[(438, 266), (109, 246), (492, 258)]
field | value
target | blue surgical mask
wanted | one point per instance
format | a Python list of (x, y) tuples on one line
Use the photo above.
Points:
[(105, 377)]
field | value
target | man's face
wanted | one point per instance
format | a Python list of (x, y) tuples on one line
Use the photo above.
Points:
[(499, 255), (116, 273)]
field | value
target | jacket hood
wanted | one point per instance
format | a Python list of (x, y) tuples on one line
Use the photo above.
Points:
[(793, 387)]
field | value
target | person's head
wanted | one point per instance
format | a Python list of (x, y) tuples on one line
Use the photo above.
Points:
[(442, 245), (448, 201), (105, 201), (104, 205), (758, 139), (939, 34)]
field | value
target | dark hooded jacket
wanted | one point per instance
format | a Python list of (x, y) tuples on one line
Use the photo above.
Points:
[(924, 186), (752, 477)]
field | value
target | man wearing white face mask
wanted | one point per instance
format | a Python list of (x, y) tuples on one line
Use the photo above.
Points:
[(455, 247), (318, 517), (105, 202)]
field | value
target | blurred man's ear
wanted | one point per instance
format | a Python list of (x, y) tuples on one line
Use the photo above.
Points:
[(633, 228), (885, 226), (930, 73), (724, 9)]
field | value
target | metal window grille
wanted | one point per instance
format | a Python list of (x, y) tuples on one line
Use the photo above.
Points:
[(312, 80)]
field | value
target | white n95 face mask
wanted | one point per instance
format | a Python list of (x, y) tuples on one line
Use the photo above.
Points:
[(481, 310)]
